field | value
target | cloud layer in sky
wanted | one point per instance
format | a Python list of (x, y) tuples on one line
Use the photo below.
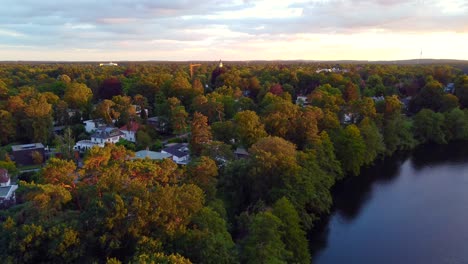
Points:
[(232, 30)]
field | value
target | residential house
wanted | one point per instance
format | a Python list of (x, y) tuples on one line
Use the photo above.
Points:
[(7, 190), (23, 154), (302, 100), (130, 131), (450, 88), (241, 153), (179, 151), (100, 137), (92, 125)]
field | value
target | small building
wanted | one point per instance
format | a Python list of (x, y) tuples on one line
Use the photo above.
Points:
[(4, 178), (23, 154), (450, 88), (241, 153), (179, 151), (138, 110), (92, 125), (302, 100), (7, 195), (108, 64), (7, 190), (101, 136), (84, 145), (107, 134), (152, 155), (130, 131)]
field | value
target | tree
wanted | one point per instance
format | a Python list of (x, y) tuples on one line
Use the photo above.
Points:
[(461, 90), (179, 119), (428, 126), (398, 134), (200, 133), (449, 102), (203, 172), (263, 243), (350, 149), (430, 97), (66, 143), (39, 111), (293, 237), (143, 139), (223, 131), (109, 88), (7, 127), (59, 172), (248, 127), (274, 166), (372, 139), (351, 92), (456, 124), (77, 95), (393, 107), (105, 110), (208, 241), (326, 157)]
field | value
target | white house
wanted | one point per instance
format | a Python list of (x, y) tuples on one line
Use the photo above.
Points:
[(107, 134), (101, 136), (92, 125), (179, 151), (7, 190), (130, 131), (302, 100)]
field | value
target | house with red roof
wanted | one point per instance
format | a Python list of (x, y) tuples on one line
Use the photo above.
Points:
[(130, 131)]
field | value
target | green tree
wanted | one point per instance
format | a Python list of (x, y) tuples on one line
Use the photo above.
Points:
[(209, 241), (429, 126), (249, 129), (263, 244), (372, 139), (350, 149), (456, 124), (294, 238)]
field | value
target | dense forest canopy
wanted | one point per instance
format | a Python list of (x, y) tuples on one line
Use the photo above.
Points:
[(268, 140)]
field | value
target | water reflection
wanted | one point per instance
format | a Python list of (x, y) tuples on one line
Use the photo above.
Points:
[(386, 196)]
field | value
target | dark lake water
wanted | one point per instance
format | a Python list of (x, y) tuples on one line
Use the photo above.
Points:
[(412, 208)]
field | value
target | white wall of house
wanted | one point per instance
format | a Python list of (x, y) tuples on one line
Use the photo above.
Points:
[(6, 183), (129, 135)]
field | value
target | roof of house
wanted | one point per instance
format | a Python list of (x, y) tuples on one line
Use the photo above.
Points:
[(142, 154), (132, 126), (241, 151), (4, 178), (27, 146), (107, 132), (179, 150), (6, 190)]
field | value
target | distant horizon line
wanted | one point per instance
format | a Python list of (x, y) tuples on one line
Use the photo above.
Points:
[(259, 60)]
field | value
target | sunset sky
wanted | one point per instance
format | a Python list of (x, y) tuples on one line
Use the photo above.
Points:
[(108, 30)]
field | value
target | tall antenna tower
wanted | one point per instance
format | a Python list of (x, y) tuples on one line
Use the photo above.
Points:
[(420, 56)]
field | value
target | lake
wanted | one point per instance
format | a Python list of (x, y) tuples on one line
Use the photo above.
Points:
[(411, 208)]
